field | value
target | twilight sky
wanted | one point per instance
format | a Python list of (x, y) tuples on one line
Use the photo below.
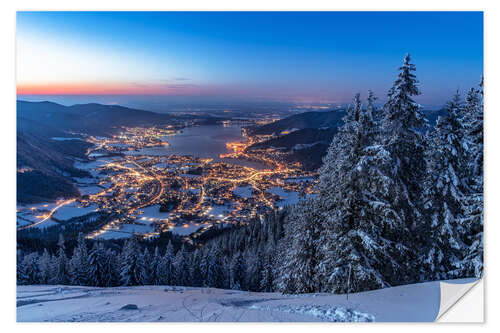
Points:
[(277, 56)]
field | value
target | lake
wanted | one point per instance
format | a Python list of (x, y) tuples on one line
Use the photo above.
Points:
[(207, 141)]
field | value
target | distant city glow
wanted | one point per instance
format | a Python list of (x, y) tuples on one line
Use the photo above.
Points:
[(307, 56)]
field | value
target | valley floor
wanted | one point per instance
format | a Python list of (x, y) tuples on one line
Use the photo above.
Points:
[(37, 303)]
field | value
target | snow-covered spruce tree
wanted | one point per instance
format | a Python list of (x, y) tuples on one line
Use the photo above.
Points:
[(165, 268), (255, 268), (215, 271), (445, 194), (298, 253), (60, 264), (181, 269), (472, 262), (19, 264), (237, 272), (375, 115), (79, 264), (473, 123), (113, 267), (360, 238), (149, 266), (372, 111), (132, 266), (96, 256), (195, 271), (331, 170), (402, 126), (204, 266), (473, 119), (102, 268), (266, 283), (45, 267), (28, 272), (154, 268), (405, 143)]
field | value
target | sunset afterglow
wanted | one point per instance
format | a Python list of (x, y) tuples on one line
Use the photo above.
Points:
[(315, 56)]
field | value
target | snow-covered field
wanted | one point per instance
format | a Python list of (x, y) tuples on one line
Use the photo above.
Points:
[(74, 210), (46, 224), (287, 198), (219, 211), (151, 213), (417, 302), (90, 190), (30, 214), (243, 191), (187, 229), (127, 230)]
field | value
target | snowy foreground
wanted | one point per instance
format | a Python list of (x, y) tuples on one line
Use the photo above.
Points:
[(417, 302)]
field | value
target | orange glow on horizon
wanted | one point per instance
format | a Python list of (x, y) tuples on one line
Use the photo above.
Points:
[(102, 89)]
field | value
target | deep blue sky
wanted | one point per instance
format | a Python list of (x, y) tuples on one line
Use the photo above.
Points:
[(292, 56)]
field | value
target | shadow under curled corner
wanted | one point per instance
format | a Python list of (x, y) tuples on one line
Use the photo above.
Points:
[(453, 293)]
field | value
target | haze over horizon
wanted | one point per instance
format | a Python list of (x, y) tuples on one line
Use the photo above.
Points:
[(151, 59)]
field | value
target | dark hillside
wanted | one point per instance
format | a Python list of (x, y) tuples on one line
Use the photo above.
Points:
[(303, 136), (45, 167), (300, 121)]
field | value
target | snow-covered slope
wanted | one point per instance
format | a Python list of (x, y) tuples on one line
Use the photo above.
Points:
[(417, 302)]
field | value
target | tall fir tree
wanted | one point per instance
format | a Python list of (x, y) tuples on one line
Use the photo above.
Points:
[(237, 272), (102, 268), (181, 268), (360, 238), (19, 266), (215, 272), (149, 267), (45, 267), (204, 263), (79, 267), (472, 262), (402, 124), (60, 269), (267, 281), (402, 127), (445, 193), (29, 272), (154, 268), (299, 253), (133, 270), (195, 271), (166, 269)]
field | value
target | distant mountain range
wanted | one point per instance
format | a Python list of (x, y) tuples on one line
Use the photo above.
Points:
[(97, 119), (94, 119)]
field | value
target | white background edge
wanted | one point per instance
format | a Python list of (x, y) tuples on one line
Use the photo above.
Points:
[(8, 130)]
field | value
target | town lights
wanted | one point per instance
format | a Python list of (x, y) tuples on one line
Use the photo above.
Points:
[(135, 181)]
